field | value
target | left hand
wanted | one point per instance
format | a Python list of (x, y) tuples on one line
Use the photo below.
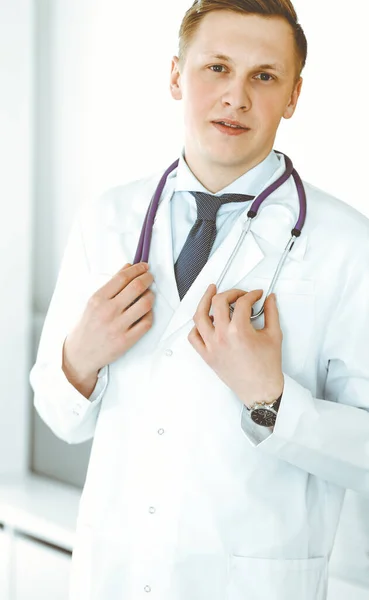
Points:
[(247, 360)]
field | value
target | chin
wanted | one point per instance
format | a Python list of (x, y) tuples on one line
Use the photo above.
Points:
[(228, 158)]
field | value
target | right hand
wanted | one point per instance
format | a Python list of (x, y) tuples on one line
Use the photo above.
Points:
[(115, 318)]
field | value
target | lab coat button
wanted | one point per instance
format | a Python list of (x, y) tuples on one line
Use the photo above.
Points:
[(147, 589), (160, 431), (169, 353), (152, 510)]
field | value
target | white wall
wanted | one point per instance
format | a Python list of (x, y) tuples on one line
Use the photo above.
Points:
[(327, 137), (16, 187)]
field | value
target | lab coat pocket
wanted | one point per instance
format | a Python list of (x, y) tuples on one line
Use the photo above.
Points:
[(277, 579), (296, 309)]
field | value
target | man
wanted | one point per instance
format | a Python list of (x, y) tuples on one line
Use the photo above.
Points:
[(186, 496)]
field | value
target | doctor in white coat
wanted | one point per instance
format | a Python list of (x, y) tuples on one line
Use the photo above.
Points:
[(186, 497)]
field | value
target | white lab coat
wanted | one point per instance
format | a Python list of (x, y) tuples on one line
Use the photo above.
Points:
[(184, 498)]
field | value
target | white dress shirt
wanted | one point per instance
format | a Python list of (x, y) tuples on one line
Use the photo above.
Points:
[(183, 204)]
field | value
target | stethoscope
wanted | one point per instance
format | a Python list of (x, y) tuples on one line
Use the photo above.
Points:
[(143, 248)]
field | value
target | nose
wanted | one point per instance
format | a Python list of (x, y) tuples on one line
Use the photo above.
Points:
[(237, 95)]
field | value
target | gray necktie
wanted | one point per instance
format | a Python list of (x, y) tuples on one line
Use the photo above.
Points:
[(200, 240)]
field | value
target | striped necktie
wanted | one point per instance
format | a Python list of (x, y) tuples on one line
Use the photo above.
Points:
[(200, 240)]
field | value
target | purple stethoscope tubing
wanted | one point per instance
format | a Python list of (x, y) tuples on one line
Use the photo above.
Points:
[(143, 248)]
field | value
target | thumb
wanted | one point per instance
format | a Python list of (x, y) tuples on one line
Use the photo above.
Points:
[(271, 314)]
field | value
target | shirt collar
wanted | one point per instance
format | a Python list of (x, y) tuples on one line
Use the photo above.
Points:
[(251, 182)]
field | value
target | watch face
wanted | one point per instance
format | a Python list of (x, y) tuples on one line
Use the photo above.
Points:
[(263, 416)]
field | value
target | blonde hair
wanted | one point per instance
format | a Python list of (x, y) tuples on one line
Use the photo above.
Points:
[(266, 8)]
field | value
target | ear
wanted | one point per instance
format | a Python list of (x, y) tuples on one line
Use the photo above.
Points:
[(291, 107), (175, 79)]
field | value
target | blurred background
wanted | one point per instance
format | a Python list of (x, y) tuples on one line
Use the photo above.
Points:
[(84, 106)]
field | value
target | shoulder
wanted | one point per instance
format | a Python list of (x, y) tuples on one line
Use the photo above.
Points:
[(334, 219), (116, 203), (121, 192)]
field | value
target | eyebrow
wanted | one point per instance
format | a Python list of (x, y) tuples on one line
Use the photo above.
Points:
[(273, 67)]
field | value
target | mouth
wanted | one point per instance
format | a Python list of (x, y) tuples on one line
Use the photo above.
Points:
[(231, 124), (230, 128)]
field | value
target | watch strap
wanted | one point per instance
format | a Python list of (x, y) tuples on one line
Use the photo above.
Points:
[(274, 405)]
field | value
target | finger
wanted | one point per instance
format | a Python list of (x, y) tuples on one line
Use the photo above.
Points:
[(202, 318), (197, 342), (137, 310), (121, 280), (221, 302), (243, 309), (271, 315), (135, 333), (133, 291)]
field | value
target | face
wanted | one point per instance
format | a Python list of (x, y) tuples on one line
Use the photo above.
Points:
[(238, 68)]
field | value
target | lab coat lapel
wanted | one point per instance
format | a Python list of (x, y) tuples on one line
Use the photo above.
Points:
[(124, 231), (161, 250), (273, 224), (246, 259), (275, 221), (161, 261), (277, 216)]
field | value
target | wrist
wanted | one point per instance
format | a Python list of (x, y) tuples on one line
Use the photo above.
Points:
[(270, 404), (267, 398), (82, 378)]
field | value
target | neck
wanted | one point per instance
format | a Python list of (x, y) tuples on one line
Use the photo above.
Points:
[(216, 176)]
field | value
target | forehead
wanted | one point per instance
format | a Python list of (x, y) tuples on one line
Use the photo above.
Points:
[(242, 36)]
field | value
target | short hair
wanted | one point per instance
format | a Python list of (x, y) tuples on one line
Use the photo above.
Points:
[(265, 8)]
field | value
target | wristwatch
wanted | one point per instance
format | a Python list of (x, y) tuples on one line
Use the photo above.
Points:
[(265, 414)]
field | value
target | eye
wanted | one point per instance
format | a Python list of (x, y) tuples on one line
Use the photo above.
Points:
[(264, 75), (217, 67)]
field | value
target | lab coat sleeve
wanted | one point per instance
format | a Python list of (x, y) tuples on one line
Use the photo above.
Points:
[(70, 415), (329, 437)]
